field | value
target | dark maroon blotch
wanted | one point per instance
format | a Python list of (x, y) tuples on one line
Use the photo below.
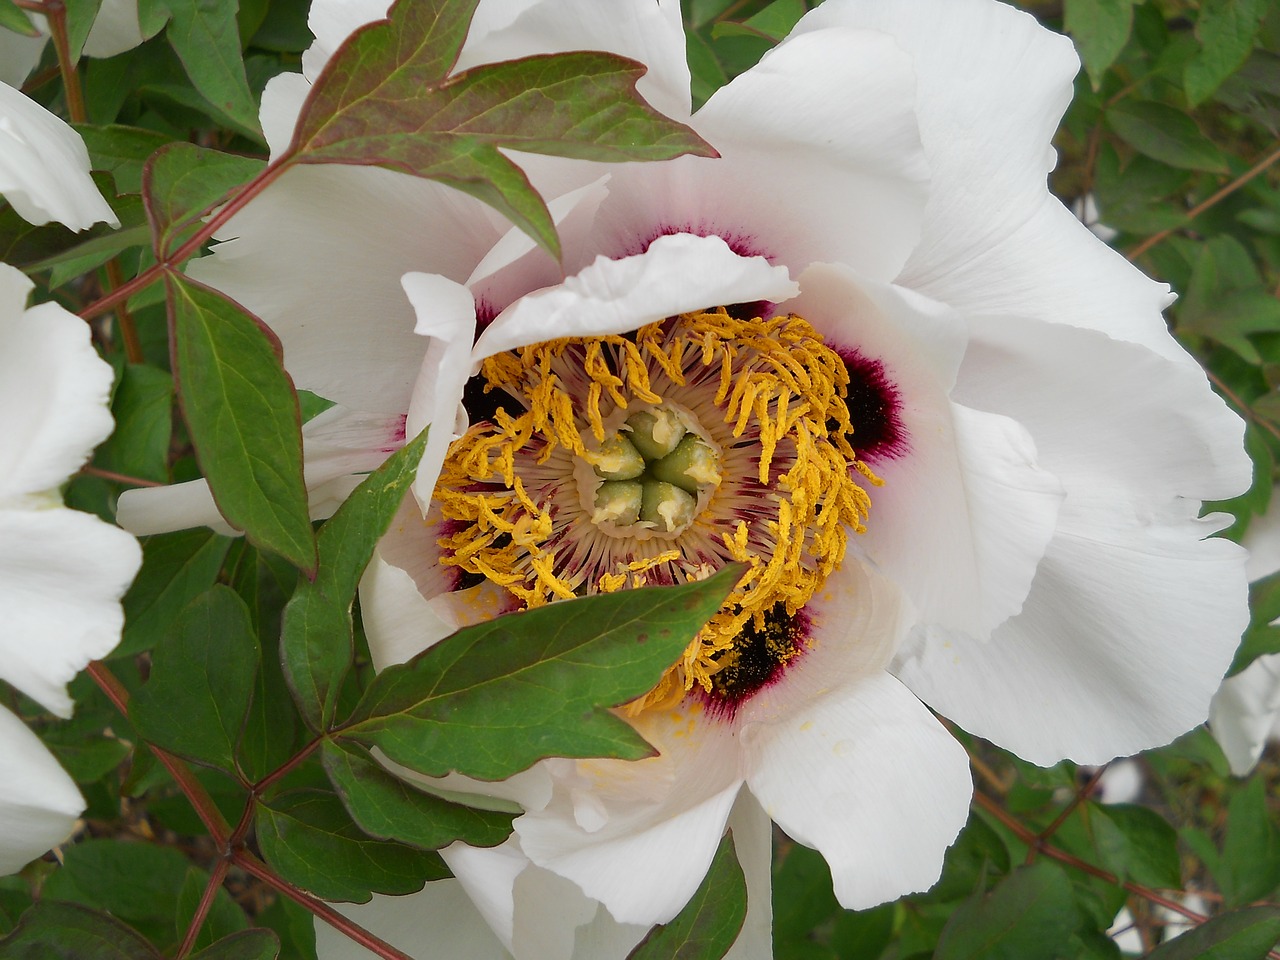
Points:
[(875, 407), (756, 665)]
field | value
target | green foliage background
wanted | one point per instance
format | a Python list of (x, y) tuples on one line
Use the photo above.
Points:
[(1174, 132)]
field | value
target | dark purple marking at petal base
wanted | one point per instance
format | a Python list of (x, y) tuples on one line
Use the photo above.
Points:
[(760, 658), (874, 409)]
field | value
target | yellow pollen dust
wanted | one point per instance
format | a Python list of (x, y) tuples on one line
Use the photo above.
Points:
[(778, 393)]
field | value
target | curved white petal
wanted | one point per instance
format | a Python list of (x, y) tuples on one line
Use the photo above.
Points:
[(868, 777), (1243, 713), (62, 574), (339, 446), (38, 802), (965, 482), (115, 29), (319, 257), (1128, 577), (19, 54), (282, 100), (638, 836), (676, 274), (44, 167), (53, 392), (332, 21), (650, 32)]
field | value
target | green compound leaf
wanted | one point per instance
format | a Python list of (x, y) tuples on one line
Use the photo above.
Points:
[(12, 18), (385, 99), (709, 923), (205, 36), (143, 411), (243, 416), (310, 840), (1245, 934), (202, 674), (65, 931), (121, 151), (224, 916), (494, 698), (386, 807), (255, 944), (316, 639), (176, 568), (1226, 30), (1165, 134), (1100, 29), (181, 182), (1026, 916), (80, 17), (1250, 865)]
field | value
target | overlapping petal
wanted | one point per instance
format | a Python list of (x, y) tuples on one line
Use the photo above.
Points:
[(38, 802)]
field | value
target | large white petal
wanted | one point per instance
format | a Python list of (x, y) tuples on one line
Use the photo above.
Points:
[(38, 802), (115, 29), (649, 32), (53, 392), (19, 54), (868, 777), (319, 257), (44, 166), (638, 836), (676, 274), (965, 482), (339, 447), (62, 574)]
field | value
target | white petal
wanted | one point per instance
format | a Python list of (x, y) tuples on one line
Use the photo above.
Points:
[(868, 777), (1244, 712), (53, 392), (282, 100), (638, 836), (115, 29), (440, 921), (62, 574), (649, 32), (676, 274), (19, 54), (332, 21), (1262, 540), (44, 166), (446, 316), (319, 257), (1132, 616), (38, 802), (966, 483), (753, 843), (339, 446)]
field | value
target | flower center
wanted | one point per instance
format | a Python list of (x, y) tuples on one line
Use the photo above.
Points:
[(656, 458)]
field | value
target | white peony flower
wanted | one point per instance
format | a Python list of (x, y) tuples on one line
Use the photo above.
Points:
[(943, 423), (62, 572), (44, 166), (1245, 712)]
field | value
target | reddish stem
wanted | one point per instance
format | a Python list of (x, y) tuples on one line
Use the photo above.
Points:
[(124, 478), (56, 13), (216, 876), (348, 928)]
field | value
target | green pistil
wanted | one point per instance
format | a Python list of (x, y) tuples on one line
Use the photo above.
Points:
[(653, 471)]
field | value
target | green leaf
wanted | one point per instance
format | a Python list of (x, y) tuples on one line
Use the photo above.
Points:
[(386, 807), (143, 411), (223, 918), (294, 926), (1226, 30), (176, 568), (1250, 866), (136, 882), (316, 637), (93, 253), (202, 673), (205, 36), (80, 17), (773, 23), (243, 417), (310, 840), (386, 98), (182, 182), (1027, 916), (255, 944), (709, 923), (494, 698), (1100, 29), (66, 931), (12, 18), (1245, 934), (1165, 134), (121, 151), (1150, 852)]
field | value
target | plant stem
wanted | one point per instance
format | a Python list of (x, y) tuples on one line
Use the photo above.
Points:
[(216, 876), (56, 13), (1204, 205), (124, 318), (349, 928), (118, 477), (194, 790)]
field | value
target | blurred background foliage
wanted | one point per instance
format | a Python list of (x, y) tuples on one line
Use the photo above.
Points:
[(1170, 150)]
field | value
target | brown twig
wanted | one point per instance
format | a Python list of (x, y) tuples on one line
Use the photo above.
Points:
[(124, 478), (56, 13)]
